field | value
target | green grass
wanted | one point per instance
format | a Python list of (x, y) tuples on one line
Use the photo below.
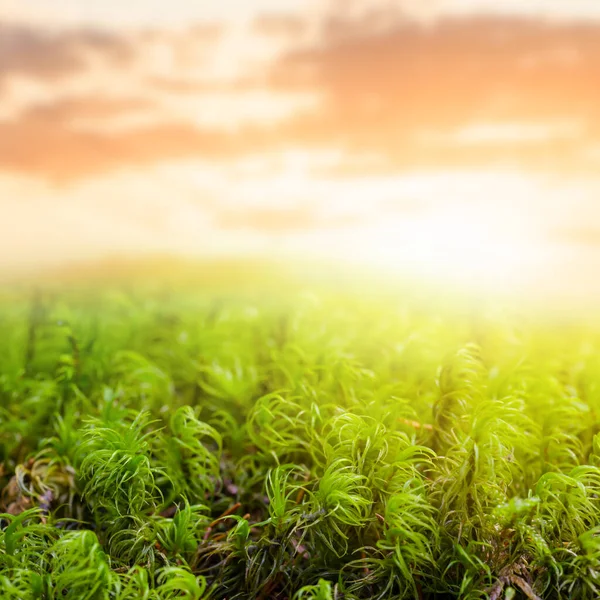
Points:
[(198, 442)]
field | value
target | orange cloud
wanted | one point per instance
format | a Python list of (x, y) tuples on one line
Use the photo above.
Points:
[(389, 88), (84, 107), (385, 81), (54, 151)]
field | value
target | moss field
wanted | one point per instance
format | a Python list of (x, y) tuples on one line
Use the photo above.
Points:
[(203, 442)]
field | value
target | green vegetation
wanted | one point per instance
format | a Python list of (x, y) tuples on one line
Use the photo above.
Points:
[(211, 444)]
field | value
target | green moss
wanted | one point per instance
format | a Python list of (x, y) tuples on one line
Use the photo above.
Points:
[(182, 443)]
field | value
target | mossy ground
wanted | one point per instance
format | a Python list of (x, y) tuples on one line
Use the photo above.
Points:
[(208, 444)]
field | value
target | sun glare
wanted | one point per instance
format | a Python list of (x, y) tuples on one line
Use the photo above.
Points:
[(470, 229), (465, 252)]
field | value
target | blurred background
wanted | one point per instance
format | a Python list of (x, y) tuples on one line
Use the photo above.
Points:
[(457, 141)]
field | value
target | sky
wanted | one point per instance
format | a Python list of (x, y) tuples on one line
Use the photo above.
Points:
[(447, 139)]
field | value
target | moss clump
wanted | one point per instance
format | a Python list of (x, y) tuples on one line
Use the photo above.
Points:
[(185, 445)]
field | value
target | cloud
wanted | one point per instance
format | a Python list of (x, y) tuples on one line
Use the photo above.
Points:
[(273, 220), (385, 79), (504, 132), (281, 221), (40, 54), (386, 94), (182, 86), (398, 70), (284, 25), (69, 109), (51, 150)]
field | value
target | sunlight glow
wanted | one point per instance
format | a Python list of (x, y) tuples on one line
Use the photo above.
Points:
[(463, 148)]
